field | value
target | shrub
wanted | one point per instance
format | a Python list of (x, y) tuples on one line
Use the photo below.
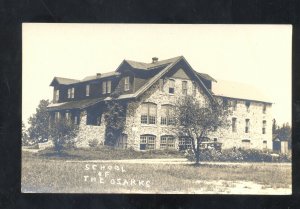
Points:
[(239, 155)]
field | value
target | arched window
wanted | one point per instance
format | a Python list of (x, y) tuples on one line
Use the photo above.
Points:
[(167, 142), (148, 113), (167, 117), (147, 142)]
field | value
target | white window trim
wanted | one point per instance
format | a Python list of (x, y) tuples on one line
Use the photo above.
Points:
[(87, 90), (126, 83)]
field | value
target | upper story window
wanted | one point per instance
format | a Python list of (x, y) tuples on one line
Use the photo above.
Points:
[(247, 103), (87, 90), (68, 116), (264, 108), (184, 87), (171, 86), (148, 114), (233, 124), (71, 92), (264, 127), (167, 115), (106, 87), (234, 104), (126, 83), (194, 89), (56, 95), (247, 127)]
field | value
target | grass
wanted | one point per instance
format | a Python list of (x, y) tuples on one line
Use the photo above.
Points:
[(106, 153), (56, 175)]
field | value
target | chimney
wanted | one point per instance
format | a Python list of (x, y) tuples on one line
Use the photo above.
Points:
[(98, 74), (154, 59)]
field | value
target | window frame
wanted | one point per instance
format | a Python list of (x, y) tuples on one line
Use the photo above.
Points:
[(56, 95), (234, 124), (184, 143), (148, 119), (87, 90), (184, 86), (248, 104), (247, 126), (264, 127), (168, 119), (126, 83), (194, 88), (144, 140), (171, 88), (264, 108), (169, 142)]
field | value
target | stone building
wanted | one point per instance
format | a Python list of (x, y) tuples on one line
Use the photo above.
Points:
[(150, 91)]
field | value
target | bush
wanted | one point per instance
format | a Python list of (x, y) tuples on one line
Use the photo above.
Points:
[(239, 155)]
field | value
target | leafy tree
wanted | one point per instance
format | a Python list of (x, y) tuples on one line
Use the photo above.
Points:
[(195, 121), (284, 133), (25, 138), (114, 120), (39, 123), (63, 134)]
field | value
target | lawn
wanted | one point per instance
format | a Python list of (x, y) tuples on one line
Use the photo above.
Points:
[(56, 174)]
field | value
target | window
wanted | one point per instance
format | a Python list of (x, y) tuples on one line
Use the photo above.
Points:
[(126, 83), (76, 120), (106, 87), (87, 90), (234, 104), (194, 89), (264, 127), (184, 87), (122, 141), (71, 92), (68, 116), (57, 116), (167, 115), (247, 103), (184, 143), (247, 128), (265, 144), (56, 95), (171, 86), (161, 85), (167, 142), (148, 114), (147, 142), (246, 143), (233, 124), (264, 109)]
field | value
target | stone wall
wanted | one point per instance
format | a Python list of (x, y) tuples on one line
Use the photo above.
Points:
[(89, 132), (134, 129)]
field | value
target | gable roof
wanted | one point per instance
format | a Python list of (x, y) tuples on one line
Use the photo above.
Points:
[(149, 66), (63, 81), (239, 91), (100, 75)]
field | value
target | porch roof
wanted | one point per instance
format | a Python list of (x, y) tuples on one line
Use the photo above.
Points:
[(81, 104)]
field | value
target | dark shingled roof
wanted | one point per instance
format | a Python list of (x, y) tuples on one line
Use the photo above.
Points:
[(149, 66), (102, 75), (80, 104), (63, 81)]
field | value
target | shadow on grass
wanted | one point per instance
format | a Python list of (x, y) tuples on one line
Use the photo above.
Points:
[(62, 154)]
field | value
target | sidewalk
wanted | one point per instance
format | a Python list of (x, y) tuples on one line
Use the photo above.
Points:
[(173, 161)]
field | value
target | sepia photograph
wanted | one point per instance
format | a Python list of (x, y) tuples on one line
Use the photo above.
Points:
[(156, 108)]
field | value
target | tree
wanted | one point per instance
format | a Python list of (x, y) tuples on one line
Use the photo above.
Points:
[(195, 121), (63, 134), (39, 123), (25, 138), (284, 133), (114, 120)]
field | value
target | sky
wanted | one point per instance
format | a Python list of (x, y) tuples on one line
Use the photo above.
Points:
[(259, 55)]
